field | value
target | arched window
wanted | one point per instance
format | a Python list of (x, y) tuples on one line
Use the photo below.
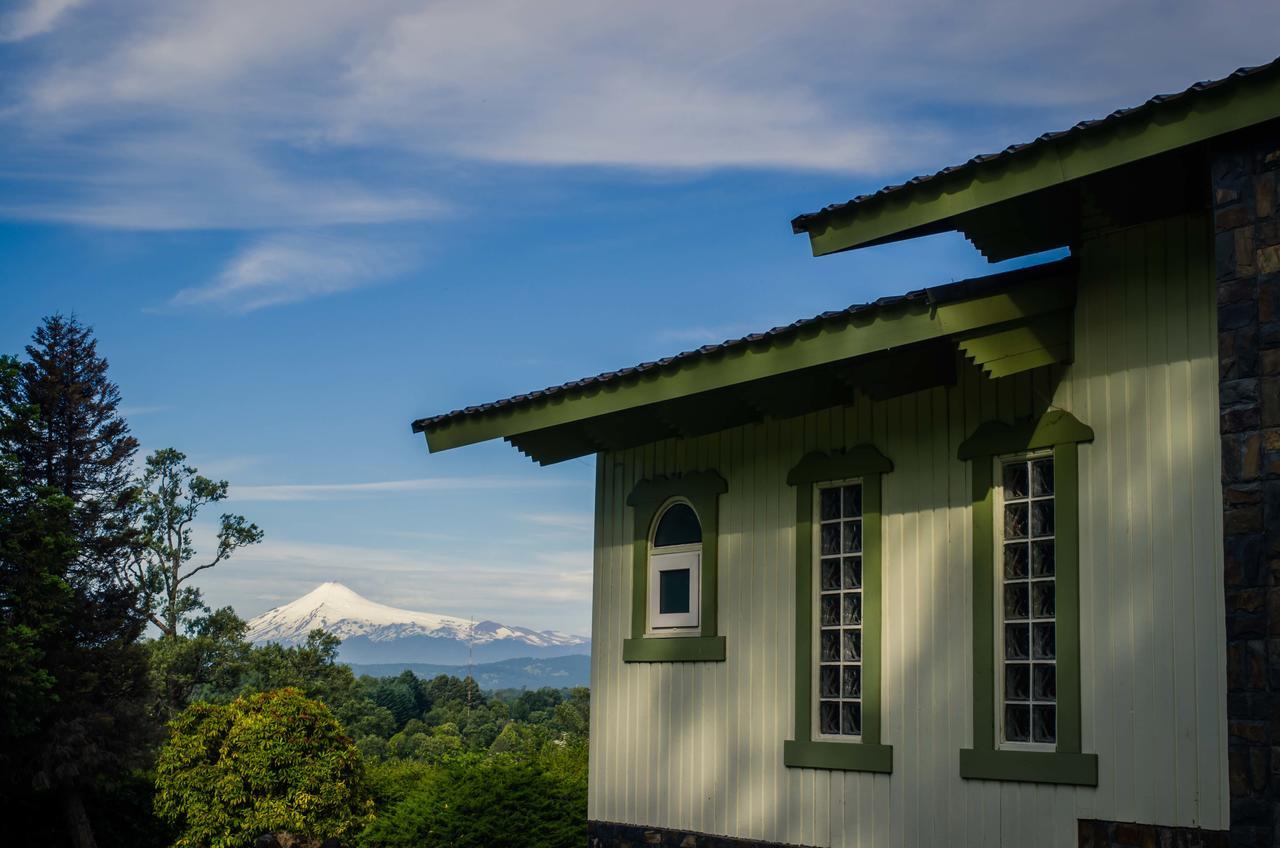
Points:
[(675, 569)]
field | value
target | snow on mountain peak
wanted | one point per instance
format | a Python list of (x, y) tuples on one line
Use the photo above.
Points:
[(338, 610)]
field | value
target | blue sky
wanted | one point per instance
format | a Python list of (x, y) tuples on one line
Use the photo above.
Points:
[(297, 226)]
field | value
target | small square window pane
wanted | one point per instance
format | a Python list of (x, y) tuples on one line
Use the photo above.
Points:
[(1042, 561), (851, 715), (1042, 599), (852, 537), (830, 574), (1044, 723), (1015, 601), (673, 590), (1015, 521), (830, 651), (1044, 682), (852, 646), (853, 572), (830, 610), (1015, 480), (829, 681), (830, 539), (1015, 560), (852, 501), (829, 717), (1044, 642), (1017, 682), (1017, 642), (829, 504), (1017, 723), (851, 682), (852, 608), (1042, 518), (1042, 477)]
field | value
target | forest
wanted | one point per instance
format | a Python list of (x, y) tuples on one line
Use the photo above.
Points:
[(132, 714)]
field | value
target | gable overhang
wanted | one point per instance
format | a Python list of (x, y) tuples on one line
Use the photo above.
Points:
[(1030, 198), (1005, 323)]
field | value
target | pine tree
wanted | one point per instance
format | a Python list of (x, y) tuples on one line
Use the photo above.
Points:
[(77, 443), (70, 624)]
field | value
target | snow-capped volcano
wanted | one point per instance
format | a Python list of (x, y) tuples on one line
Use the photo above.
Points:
[(374, 632)]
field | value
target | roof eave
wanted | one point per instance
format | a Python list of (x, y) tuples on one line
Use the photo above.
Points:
[(934, 204)]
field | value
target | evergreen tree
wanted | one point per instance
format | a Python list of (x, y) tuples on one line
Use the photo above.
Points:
[(76, 442), (69, 628)]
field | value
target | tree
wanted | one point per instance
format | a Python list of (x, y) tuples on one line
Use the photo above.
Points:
[(273, 762), (75, 441), (210, 659), (70, 627), (471, 802), (171, 497)]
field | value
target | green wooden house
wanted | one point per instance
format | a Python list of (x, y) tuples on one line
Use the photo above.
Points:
[(989, 563)]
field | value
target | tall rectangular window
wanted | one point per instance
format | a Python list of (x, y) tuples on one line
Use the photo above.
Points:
[(1028, 636), (838, 576)]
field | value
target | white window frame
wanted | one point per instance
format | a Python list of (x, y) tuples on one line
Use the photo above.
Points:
[(815, 636), (998, 463), (675, 558)]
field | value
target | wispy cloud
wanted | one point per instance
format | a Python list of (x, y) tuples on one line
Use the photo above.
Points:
[(163, 114), (142, 409), (34, 18), (341, 491), (287, 269), (568, 521)]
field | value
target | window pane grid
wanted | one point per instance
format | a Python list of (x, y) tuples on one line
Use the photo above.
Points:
[(1028, 598), (839, 614)]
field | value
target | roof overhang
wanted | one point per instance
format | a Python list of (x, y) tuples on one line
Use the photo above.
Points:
[(1032, 183), (1005, 323)]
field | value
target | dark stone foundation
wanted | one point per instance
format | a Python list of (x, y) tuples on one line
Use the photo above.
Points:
[(614, 835), (1105, 834), (1245, 171)]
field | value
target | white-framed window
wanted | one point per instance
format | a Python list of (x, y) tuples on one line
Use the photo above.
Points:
[(675, 571), (1026, 638), (837, 579)]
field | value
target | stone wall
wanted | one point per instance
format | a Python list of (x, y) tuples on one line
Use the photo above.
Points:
[(1247, 250), (1105, 834)]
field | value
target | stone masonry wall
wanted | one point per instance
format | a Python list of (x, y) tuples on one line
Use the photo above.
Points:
[(1247, 251)]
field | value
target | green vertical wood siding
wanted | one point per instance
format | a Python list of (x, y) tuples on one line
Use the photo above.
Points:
[(699, 745)]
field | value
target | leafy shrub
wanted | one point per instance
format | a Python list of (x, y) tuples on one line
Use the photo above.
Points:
[(265, 763), (474, 802)]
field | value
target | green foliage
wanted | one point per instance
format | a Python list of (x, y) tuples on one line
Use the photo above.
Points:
[(207, 663), (270, 762), (73, 676), (474, 802), (169, 500)]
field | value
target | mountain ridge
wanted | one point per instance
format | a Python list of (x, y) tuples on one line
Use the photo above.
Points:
[(373, 632)]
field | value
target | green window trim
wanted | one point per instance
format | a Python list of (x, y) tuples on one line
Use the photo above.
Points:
[(1066, 764), (702, 489), (868, 464)]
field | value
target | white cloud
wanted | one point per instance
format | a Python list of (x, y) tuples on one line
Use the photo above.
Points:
[(286, 269), (35, 18), (572, 522), (165, 114), (342, 491)]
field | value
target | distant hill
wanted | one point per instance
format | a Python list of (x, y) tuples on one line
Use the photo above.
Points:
[(373, 633), (519, 673)]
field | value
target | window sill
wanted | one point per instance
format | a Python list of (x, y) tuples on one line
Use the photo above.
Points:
[(674, 649), (838, 756), (1030, 767)]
